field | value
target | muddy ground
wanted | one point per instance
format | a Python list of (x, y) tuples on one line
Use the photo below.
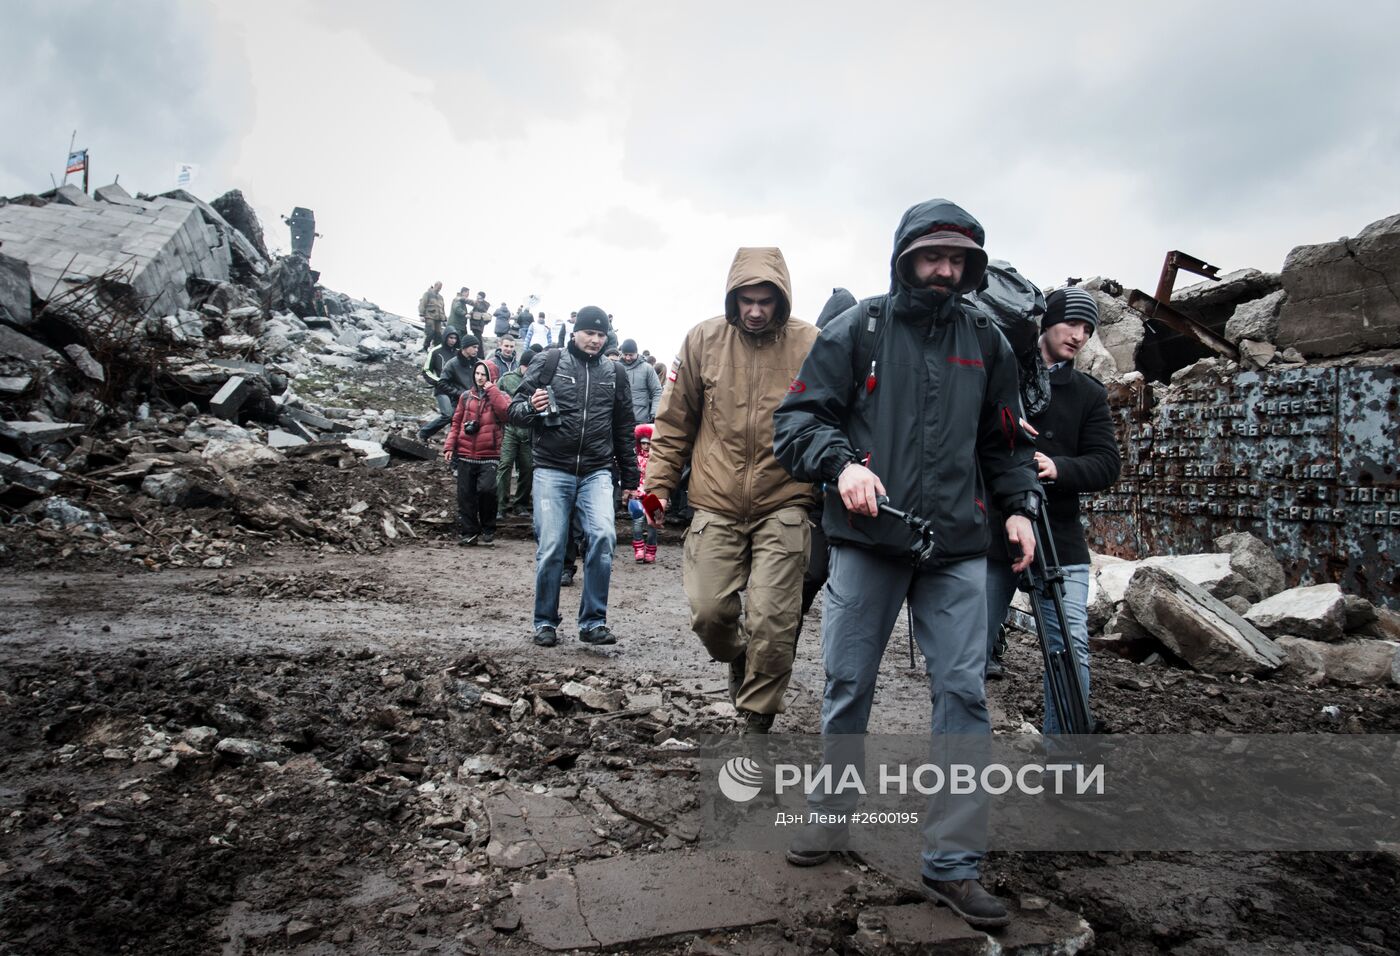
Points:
[(375, 717)]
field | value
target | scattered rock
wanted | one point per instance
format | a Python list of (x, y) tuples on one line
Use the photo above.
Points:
[(1317, 613), (1197, 627)]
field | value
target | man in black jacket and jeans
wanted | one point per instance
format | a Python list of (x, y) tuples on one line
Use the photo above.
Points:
[(575, 446), (914, 395), (1076, 452)]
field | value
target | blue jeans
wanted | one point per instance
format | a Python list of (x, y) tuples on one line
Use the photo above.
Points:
[(557, 494), (444, 417), (1001, 588), (864, 592)]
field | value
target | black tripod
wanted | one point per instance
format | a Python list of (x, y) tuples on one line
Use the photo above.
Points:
[(1045, 578)]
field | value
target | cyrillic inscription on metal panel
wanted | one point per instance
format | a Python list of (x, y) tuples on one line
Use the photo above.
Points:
[(1303, 458)]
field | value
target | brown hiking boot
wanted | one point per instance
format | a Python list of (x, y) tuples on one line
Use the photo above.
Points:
[(967, 898)]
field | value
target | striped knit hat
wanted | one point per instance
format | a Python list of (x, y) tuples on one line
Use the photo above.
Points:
[(1070, 305)]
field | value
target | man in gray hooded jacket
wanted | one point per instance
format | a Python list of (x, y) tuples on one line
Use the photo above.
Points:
[(913, 395)]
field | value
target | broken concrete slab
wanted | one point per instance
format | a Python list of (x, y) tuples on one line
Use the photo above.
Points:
[(529, 828), (1358, 663), (1254, 561), (1121, 332), (1317, 612), (1256, 355), (230, 398), (1197, 627), (276, 438), (1359, 612), (594, 698), (15, 296), (312, 420), (630, 899), (30, 436), (16, 471), (11, 385), (70, 195), (182, 491), (234, 456), (239, 213), (1210, 571), (408, 448), (1256, 319), (86, 364), (18, 345), (159, 250), (1342, 295), (371, 452)]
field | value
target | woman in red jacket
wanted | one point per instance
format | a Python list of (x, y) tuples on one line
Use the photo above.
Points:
[(473, 448)]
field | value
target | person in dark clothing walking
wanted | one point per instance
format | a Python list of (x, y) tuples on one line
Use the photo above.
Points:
[(579, 408), (913, 395), (431, 371), (516, 454), (1076, 452), (473, 448)]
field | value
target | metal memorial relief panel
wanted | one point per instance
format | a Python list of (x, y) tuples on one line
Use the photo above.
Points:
[(1303, 458)]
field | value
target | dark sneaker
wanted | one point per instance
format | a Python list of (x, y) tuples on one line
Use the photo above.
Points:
[(566, 580), (815, 843), (468, 541), (546, 636), (736, 677), (488, 539), (995, 671), (967, 898), (597, 635), (757, 723)]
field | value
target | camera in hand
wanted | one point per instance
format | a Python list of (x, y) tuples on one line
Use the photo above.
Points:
[(551, 412), (471, 427)]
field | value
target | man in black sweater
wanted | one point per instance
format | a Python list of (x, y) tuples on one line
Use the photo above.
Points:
[(1076, 452)]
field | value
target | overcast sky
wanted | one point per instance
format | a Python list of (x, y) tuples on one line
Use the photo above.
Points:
[(617, 153)]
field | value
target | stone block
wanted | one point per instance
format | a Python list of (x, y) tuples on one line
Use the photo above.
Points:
[(277, 438), (1253, 560), (1256, 319), (312, 420), (1196, 627), (30, 436), (27, 475), (113, 193), (86, 364), (12, 385), (18, 345), (1342, 296), (230, 397), (1121, 332), (70, 195), (239, 213), (371, 452), (15, 292), (1360, 663), (1317, 612)]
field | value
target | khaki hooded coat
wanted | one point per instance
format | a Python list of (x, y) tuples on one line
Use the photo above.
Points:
[(717, 411)]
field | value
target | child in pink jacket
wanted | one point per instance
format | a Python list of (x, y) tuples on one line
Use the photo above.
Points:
[(643, 534)]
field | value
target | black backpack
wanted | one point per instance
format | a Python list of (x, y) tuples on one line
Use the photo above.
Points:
[(1015, 304)]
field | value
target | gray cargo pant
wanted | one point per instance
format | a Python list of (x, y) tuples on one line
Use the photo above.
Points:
[(863, 596)]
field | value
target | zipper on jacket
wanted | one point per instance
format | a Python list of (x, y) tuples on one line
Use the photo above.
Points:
[(583, 425)]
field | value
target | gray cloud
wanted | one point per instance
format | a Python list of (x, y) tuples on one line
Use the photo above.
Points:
[(146, 86)]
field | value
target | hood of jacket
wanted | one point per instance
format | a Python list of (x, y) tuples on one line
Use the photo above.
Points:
[(926, 217), (840, 301), (753, 265)]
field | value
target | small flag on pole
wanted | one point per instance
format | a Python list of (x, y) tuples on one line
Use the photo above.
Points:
[(77, 162), (185, 173)]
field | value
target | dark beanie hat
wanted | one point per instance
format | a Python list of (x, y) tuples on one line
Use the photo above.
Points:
[(1070, 305), (467, 341), (629, 345), (591, 319), (527, 357)]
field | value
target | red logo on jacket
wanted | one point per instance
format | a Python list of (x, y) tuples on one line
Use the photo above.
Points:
[(965, 363), (797, 387)]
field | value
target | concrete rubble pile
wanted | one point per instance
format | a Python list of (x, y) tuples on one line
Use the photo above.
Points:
[(1229, 612), (150, 347)]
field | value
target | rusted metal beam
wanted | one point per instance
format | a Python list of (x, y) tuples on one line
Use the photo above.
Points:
[(1154, 308), (1176, 260)]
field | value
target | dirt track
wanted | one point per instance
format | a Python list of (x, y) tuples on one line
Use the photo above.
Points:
[(356, 819)]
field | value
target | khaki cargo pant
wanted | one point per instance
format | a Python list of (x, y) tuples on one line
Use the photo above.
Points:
[(767, 558)]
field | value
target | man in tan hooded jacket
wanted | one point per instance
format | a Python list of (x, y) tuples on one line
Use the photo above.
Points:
[(750, 530)]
